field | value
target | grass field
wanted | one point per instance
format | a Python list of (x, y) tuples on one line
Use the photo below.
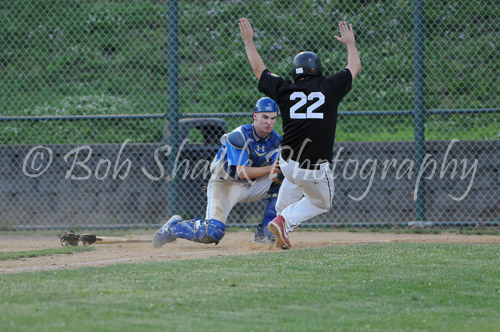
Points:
[(111, 57), (44, 252), (376, 287)]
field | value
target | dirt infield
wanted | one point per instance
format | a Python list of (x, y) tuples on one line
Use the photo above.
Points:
[(234, 243)]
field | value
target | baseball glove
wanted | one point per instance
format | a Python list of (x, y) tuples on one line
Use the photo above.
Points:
[(88, 239), (70, 239)]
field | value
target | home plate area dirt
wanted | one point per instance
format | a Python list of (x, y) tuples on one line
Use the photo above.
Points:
[(234, 243)]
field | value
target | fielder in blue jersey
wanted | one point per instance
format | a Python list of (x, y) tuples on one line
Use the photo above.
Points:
[(244, 170)]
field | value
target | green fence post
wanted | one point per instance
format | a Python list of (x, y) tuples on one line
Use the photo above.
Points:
[(173, 100), (419, 115)]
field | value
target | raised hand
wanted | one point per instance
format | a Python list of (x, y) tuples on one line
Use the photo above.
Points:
[(246, 30), (346, 34)]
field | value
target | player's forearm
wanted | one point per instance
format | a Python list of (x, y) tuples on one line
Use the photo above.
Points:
[(248, 172), (353, 60), (255, 60)]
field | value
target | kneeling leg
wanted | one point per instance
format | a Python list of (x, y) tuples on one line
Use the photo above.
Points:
[(197, 230)]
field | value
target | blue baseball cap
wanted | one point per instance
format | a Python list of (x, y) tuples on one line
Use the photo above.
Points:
[(266, 104)]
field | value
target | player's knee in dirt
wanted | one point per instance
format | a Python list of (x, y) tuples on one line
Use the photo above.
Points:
[(210, 231), (197, 230)]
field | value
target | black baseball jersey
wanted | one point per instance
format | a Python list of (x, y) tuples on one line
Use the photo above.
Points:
[(309, 111)]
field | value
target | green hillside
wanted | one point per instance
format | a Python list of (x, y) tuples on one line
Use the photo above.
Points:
[(66, 57)]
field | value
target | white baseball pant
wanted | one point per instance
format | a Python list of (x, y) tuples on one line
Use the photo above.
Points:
[(222, 195), (304, 193)]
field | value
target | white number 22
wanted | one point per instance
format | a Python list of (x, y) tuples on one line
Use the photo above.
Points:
[(301, 96)]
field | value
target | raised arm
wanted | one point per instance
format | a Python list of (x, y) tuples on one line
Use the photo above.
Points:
[(252, 54), (347, 38)]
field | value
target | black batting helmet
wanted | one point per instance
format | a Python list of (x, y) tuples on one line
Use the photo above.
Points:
[(306, 63)]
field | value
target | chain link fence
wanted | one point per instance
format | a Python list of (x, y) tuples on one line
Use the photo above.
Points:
[(95, 93)]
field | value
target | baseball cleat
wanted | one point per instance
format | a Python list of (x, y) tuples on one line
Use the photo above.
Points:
[(163, 235), (277, 227)]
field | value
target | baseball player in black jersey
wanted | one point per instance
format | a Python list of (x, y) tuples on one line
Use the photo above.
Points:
[(309, 111)]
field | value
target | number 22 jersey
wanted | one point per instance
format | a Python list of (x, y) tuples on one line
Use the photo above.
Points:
[(308, 108)]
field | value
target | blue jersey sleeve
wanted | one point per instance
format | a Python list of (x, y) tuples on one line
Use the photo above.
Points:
[(235, 156)]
